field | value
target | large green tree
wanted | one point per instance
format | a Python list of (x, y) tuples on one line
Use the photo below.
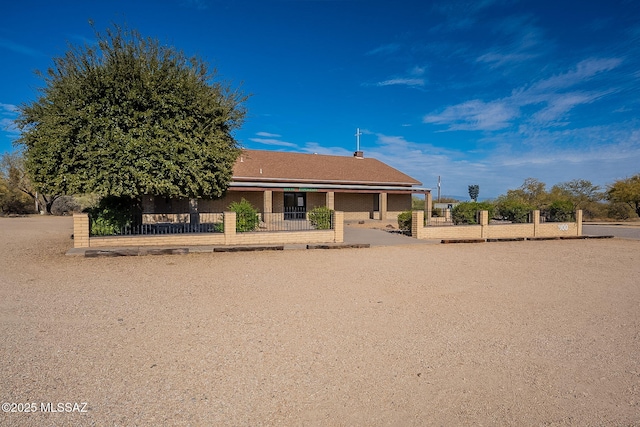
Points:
[(626, 191), (129, 117)]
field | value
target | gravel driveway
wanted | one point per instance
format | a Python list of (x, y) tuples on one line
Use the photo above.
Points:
[(518, 333)]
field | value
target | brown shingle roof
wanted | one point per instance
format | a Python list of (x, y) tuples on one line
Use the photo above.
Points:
[(278, 166)]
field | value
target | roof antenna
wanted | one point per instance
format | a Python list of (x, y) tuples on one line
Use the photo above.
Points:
[(358, 154)]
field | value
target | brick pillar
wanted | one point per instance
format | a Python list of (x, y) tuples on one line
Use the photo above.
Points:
[(267, 201), (417, 224), (428, 206), (484, 222), (579, 221), (383, 206), (536, 222), (81, 230), (337, 218), (330, 200), (229, 228)]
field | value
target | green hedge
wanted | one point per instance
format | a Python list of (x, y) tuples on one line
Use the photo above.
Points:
[(320, 218), (246, 216), (467, 212), (405, 220)]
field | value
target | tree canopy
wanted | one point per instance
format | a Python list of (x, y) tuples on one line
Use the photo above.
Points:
[(579, 192), (130, 117), (626, 191)]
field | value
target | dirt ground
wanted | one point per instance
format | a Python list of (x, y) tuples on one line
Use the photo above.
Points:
[(518, 333)]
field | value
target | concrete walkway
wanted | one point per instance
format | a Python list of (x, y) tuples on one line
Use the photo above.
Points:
[(375, 237)]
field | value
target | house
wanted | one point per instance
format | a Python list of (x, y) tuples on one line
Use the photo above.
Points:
[(295, 183)]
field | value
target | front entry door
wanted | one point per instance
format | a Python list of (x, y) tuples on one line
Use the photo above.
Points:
[(295, 205)]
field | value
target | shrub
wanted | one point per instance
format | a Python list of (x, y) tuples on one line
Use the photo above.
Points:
[(404, 221), (467, 212), (65, 205), (514, 210), (560, 211), (246, 216), (110, 216), (14, 201), (619, 210), (320, 218)]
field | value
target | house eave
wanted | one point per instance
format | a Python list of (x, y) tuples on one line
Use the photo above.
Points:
[(272, 181), (306, 186)]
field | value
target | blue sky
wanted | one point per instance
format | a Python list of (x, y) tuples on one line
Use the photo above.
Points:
[(486, 92)]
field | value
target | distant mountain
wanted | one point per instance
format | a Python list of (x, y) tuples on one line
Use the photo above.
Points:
[(448, 196)]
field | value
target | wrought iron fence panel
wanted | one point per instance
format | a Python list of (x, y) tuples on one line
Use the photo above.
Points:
[(100, 228), (294, 220), (547, 216), (440, 217)]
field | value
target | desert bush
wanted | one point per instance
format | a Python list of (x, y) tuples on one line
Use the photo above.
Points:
[(65, 205), (513, 210), (320, 218), (467, 212), (14, 201), (560, 211), (246, 215), (110, 216), (619, 211), (405, 220)]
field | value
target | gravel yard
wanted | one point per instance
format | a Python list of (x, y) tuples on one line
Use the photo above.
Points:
[(517, 333)]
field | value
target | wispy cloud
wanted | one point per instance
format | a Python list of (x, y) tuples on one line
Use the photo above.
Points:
[(545, 95), (385, 49), (8, 109), (272, 139), (268, 135), (519, 41), (402, 82), (475, 115), (8, 114), (461, 14), (20, 48), (316, 148), (583, 71), (533, 153), (412, 78)]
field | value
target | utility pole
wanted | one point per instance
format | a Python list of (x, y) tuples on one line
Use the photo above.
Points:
[(438, 188)]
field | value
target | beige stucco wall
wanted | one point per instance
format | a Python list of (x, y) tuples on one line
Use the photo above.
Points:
[(221, 205), (496, 231), (398, 203), (356, 206)]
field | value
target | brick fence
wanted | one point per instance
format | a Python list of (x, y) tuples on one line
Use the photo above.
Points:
[(496, 231), (82, 238)]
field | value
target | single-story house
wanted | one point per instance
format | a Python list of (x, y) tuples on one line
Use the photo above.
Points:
[(294, 183)]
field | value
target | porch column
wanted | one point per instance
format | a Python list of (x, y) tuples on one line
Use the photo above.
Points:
[(383, 206), (428, 206), (329, 200), (267, 201)]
